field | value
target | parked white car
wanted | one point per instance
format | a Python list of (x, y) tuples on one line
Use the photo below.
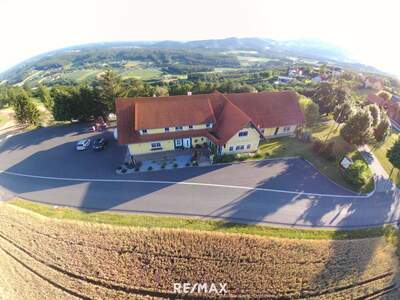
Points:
[(83, 144)]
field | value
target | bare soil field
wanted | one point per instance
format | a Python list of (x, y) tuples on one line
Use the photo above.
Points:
[(47, 258)]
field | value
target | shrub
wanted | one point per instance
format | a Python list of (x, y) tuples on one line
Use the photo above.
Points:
[(187, 164), (175, 165), (317, 146), (358, 174), (123, 171), (163, 166), (328, 152), (226, 158), (149, 168), (130, 166), (303, 135), (257, 155), (137, 169)]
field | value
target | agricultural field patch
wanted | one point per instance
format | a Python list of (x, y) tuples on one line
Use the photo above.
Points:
[(104, 261)]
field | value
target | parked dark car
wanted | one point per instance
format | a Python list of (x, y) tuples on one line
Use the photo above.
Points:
[(99, 144)]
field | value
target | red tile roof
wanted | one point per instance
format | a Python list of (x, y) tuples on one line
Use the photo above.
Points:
[(160, 112), (228, 112)]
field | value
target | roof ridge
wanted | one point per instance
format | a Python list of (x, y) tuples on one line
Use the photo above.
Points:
[(235, 106), (211, 109)]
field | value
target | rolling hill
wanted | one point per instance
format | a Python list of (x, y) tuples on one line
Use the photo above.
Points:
[(157, 60)]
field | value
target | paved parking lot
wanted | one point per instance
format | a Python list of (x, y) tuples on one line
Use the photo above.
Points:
[(43, 165)]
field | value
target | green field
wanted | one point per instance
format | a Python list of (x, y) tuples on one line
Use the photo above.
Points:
[(81, 75), (143, 74)]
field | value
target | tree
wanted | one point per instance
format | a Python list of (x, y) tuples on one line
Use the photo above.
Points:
[(358, 174), (386, 96), (77, 103), (310, 111), (382, 130), (324, 96), (63, 103), (25, 110), (357, 129), (343, 112), (44, 94), (375, 114), (110, 87), (393, 155)]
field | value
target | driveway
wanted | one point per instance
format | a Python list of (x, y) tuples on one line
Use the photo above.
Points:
[(42, 165)]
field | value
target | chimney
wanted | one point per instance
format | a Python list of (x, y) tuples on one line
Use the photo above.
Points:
[(189, 93)]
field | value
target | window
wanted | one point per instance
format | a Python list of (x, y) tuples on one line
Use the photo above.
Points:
[(248, 146), (156, 146), (286, 129), (231, 148), (178, 128), (242, 147), (243, 133), (166, 129), (237, 147), (190, 126), (209, 125), (144, 131)]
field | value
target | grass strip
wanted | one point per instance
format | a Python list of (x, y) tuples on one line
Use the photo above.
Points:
[(151, 221)]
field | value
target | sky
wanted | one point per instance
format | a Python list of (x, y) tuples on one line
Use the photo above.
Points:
[(368, 30)]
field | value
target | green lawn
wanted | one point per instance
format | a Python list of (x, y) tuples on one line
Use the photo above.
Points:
[(149, 221), (80, 75), (287, 147), (380, 153), (143, 74)]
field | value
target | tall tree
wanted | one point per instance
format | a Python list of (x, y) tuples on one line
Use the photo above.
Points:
[(324, 96), (25, 110), (343, 112), (110, 87), (44, 95), (375, 114), (393, 155), (382, 130), (357, 129)]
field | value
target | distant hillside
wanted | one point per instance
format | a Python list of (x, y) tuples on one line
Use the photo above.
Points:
[(162, 59)]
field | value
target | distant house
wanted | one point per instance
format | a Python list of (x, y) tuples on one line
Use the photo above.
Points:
[(283, 80), (320, 78), (374, 83), (229, 123), (295, 72), (395, 98), (392, 108)]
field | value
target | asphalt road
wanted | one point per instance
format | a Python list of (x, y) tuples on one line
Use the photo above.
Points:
[(43, 165)]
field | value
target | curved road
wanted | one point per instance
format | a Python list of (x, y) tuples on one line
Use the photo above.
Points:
[(42, 165)]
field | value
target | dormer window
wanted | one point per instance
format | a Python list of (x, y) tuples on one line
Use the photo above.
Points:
[(190, 126), (209, 125), (243, 133), (166, 129), (144, 131), (178, 128)]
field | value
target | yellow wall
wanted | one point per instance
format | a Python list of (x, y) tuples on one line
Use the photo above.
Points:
[(269, 132), (172, 129), (143, 148), (253, 138)]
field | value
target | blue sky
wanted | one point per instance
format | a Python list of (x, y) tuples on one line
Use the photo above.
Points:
[(367, 29)]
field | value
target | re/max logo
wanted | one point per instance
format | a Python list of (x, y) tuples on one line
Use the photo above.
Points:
[(186, 288)]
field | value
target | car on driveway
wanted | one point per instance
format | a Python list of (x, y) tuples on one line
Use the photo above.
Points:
[(99, 144), (82, 144)]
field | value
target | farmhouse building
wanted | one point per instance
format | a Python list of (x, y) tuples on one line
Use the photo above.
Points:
[(230, 123)]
